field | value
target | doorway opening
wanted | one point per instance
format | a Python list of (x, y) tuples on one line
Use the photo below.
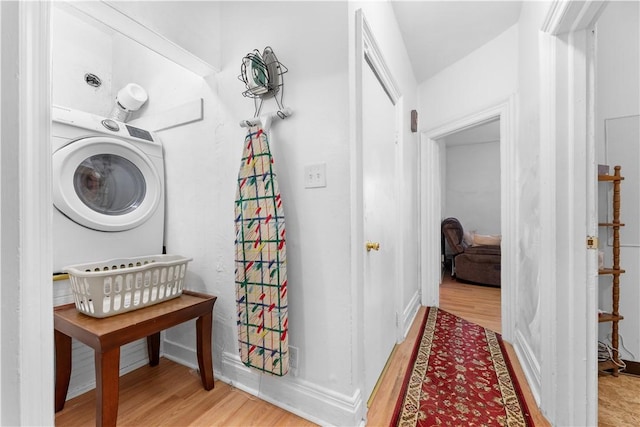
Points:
[(470, 203), (433, 199)]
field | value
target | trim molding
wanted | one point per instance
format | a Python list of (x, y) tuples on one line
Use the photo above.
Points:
[(565, 16), (430, 208), (529, 364), (569, 381), (633, 368), (356, 63), (35, 252), (410, 314), (555, 15), (373, 55), (548, 235)]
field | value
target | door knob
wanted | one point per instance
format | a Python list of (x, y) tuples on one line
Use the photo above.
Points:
[(372, 245)]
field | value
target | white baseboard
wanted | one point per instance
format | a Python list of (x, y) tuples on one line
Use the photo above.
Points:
[(310, 401), (529, 364), (409, 314), (180, 354)]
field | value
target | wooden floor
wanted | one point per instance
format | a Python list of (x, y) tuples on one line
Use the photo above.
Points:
[(172, 395), (478, 304), (618, 398), (618, 401)]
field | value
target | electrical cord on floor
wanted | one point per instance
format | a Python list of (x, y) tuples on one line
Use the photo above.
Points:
[(605, 353), (621, 339)]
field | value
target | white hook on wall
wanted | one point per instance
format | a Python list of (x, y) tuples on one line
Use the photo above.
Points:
[(266, 119)]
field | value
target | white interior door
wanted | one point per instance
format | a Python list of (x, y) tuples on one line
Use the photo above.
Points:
[(379, 224)]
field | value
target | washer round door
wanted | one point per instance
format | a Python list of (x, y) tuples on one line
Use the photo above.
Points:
[(105, 184)]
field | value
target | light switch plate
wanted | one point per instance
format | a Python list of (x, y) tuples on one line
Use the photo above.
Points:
[(315, 176)]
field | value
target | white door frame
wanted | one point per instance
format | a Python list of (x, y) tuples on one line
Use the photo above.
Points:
[(26, 258), (431, 185), (569, 388), (368, 53)]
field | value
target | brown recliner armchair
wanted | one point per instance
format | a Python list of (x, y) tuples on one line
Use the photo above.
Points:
[(477, 264)]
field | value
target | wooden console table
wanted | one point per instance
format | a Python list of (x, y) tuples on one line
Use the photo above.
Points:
[(106, 336)]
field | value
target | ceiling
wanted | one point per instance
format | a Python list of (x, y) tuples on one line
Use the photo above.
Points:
[(439, 33)]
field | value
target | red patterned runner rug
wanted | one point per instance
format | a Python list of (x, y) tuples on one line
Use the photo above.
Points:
[(460, 375)]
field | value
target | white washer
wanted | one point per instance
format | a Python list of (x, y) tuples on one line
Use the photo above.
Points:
[(108, 189)]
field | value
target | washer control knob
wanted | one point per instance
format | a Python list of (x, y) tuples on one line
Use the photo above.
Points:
[(111, 125)]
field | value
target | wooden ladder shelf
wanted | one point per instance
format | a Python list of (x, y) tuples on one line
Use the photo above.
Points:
[(615, 271)]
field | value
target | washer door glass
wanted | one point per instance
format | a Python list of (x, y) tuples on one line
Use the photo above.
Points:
[(109, 184)]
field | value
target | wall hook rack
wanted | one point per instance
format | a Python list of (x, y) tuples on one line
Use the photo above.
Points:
[(266, 119)]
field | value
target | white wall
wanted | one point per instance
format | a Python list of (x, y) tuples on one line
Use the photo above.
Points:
[(508, 65), (317, 219), (617, 101), (477, 81), (528, 154), (321, 326), (193, 25), (10, 316), (202, 161), (473, 186), (483, 78), (486, 77), (505, 66), (74, 56), (167, 84)]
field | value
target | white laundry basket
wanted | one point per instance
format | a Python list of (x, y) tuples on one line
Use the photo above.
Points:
[(107, 288)]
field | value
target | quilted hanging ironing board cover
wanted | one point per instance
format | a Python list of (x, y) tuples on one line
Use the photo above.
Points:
[(261, 272)]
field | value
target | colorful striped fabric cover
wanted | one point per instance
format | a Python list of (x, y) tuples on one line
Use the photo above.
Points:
[(261, 272)]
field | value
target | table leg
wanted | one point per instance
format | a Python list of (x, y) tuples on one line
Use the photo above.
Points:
[(63, 367), (153, 348), (203, 342), (107, 387)]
